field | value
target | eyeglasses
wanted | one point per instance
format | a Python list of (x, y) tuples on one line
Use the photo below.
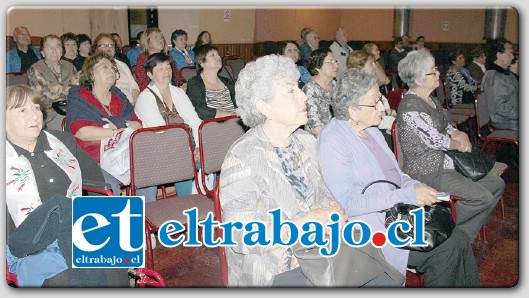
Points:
[(379, 100), (105, 45), (107, 67), (53, 48), (331, 62), (436, 71), (157, 37)]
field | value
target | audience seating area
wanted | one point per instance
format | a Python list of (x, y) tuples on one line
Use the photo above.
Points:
[(171, 159)]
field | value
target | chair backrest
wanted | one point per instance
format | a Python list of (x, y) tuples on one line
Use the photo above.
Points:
[(236, 63), (161, 155), (396, 144), (448, 92), (215, 137), (482, 111), (394, 97), (126, 48), (10, 43), (440, 91), (188, 72), (227, 72), (16, 78)]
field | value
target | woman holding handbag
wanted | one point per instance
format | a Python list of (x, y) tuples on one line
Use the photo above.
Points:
[(97, 111), (353, 153), (426, 135), (162, 103)]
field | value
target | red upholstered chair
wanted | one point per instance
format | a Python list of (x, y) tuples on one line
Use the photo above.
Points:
[(16, 78), (394, 97), (236, 63), (188, 72), (163, 155), (490, 136), (216, 136)]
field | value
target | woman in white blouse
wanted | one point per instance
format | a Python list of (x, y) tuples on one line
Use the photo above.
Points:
[(162, 103)]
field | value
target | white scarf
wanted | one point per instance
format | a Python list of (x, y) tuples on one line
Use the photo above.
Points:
[(22, 194)]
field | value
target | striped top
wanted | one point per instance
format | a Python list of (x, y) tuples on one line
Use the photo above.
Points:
[(219, 99)]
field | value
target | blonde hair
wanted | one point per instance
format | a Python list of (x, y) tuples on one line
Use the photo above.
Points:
[(359, 59), (146, 38)]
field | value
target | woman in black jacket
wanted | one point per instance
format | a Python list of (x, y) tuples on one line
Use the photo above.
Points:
[(212, 96)]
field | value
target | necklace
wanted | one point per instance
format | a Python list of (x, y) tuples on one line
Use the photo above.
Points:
[(105, 107), (56, 74)]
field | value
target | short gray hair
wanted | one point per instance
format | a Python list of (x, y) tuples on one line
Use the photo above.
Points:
[(352, 85), (258, 81), (415, 66)]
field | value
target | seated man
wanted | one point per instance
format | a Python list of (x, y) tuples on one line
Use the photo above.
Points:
[(21, 57), (501, 86), (341, 50)]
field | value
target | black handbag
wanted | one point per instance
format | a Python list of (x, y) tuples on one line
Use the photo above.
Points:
[(438, 221), (60, 107), (474, 165)]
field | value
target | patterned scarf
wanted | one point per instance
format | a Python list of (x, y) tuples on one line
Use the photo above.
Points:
[(22, 194)]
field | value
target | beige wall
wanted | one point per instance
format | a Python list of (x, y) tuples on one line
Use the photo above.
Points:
[(239, 29), (368, 24), (282, 24), (255, 25), (512, 26), (464, 25), (58, 20)]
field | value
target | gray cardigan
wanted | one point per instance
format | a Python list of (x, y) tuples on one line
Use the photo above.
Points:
[(421, 162), (252, 182)]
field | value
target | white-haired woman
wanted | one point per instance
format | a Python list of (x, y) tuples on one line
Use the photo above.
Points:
[(425, 135), (353, 153), (273, 165)]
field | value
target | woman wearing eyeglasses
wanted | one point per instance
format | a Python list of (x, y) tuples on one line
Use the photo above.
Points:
[(365, 61), (125, 80), (98, 110), (52, 77), (425, 135), (352, 153), (318, 89), (152, 42)]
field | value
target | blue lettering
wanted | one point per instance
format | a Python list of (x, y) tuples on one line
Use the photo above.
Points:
[(208, 231), (348, 233), (418, 221), (227, 236), (277, 225), (260, 234), (334, 237), (169, 228), (192, 227), (393, 238), (310, 238)]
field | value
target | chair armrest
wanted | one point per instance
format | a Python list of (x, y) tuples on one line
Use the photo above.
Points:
[(100, 187)]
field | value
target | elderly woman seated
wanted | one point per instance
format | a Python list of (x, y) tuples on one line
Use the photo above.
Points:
[(353, 153), (425, 135), (98, 111), (365, 61), (324, 67), (273, 165), (54, 78), (44, 170), (462, 85)]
